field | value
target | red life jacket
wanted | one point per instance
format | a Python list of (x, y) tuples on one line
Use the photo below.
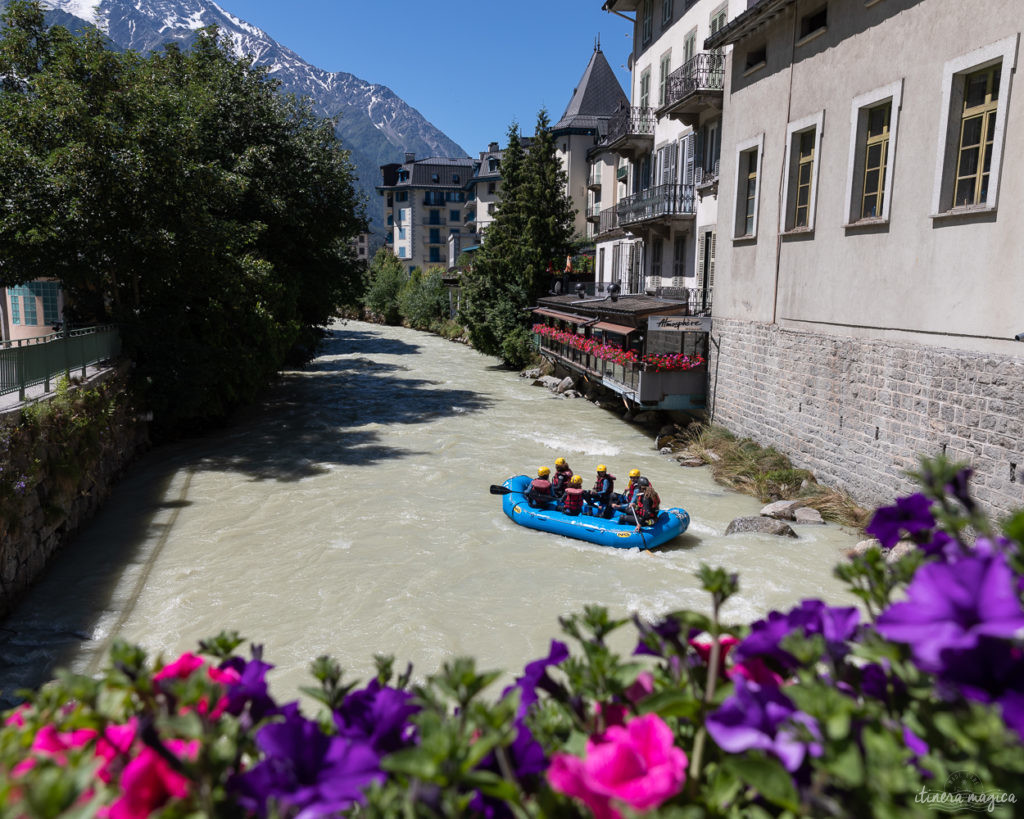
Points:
[(540, 486), (630, 492), (562, 477), (645, 510), (573, 500), (605, 484)]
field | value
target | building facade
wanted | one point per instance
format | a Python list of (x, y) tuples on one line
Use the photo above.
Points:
[(31, 310), (869, 253), (668, 143), (424, 206)]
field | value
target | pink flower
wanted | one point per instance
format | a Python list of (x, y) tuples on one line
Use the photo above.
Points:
[(148, 782), (637, 765), (50, 742), (115, 741), (180, 669), (753, 669)]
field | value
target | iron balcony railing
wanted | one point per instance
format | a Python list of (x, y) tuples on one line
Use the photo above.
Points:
[(703, 72), (663, 200), (629, 122), (608, 220), (625, 374), (704, 177), (30, 361), (698, 300), (593, 213)]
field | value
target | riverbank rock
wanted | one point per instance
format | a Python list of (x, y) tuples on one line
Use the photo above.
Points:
[(548, 381), (808, 516), (766, 526), (862, 547), (782, 510), (563, 385), (646, 417), (533, 372)]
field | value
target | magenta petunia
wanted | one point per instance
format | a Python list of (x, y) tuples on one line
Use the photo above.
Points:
[(637, 765)]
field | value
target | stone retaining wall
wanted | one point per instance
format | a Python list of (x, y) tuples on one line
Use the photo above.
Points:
[(858, 412), (50, 513)]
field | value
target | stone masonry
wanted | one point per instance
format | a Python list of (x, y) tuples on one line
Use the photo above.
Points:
[(858, 412)]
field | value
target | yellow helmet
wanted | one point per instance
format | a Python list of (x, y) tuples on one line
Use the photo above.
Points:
[(559, 461), (543, 472), (634, 473), (602, 468), (577, 480)]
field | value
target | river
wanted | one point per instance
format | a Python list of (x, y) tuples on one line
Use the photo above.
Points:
[(349, 514)]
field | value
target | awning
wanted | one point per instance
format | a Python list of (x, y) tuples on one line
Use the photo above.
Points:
[(563, 316), (608, 327)]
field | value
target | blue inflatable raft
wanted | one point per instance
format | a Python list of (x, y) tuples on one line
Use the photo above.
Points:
[(670, 523)]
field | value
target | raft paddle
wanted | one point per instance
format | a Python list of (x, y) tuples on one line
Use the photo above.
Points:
[(639, 528), (499, 490)]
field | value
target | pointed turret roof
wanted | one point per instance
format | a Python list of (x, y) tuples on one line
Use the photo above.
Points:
[(595, 99)]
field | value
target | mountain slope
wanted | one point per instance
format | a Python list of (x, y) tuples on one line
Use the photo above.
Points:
[(374, 123)]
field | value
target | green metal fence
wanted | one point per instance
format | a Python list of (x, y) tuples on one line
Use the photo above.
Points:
[(30, 361)]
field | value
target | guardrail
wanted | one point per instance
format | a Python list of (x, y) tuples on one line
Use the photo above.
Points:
[(30, 361)]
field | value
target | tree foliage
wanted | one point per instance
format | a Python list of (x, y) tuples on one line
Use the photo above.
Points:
[(385, 279), (178, 195), (529, 237)]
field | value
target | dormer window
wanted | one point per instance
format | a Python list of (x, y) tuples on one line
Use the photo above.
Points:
[(435, 178), (455, 178)]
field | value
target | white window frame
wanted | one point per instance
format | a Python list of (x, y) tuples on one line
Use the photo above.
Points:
[(953, 73), (817, 122), (742, 148), (854, 168), (664, 69)]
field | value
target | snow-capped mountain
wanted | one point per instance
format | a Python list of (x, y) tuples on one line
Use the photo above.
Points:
[(375, 124)]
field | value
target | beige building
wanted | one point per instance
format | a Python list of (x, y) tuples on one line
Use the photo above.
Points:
[(668, 140), (31, 310), (868, 274)]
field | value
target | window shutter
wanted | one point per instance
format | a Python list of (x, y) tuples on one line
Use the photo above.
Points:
[(711, 265), (688, 147), (698, 150), (700, 259), (671, 153)]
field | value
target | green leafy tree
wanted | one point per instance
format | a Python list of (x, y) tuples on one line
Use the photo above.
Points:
[(179, 195), (423, 299), (385, 280), (531, 233)]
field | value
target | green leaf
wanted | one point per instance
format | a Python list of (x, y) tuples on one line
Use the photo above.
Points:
[(418, 763), (767, 777)]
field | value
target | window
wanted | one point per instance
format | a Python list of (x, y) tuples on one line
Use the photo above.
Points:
[(748, 175), (491, 187), (435, 178), (435, 254), (647, 15), (689, 46), (402, 196), (756, 58), (29, 316), (799, 185), (666, 13), (433, 217), (645, 89), (717, 21), (435, 236), (403, 214), (454, 216), (455, 179), (813, 24), (975, 89), (657, 247), (15, 309), (679, 256), (493, 164), (401, 253), (873, 121), (705, 260), (666, 63), (401, 234)]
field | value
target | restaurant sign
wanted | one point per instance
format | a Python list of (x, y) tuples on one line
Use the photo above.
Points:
[(679, 324)]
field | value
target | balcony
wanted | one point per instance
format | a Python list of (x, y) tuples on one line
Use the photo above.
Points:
[(661, 202), (594, 213), (631, 131), (705, 180), (594, 179), (622, 173), (608, 221), (694, 88)]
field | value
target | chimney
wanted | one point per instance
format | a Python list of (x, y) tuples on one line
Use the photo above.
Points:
[(493, 147), (410, 158)]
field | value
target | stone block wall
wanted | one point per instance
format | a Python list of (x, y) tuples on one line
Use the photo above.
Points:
[(858, 412), (69, 491)]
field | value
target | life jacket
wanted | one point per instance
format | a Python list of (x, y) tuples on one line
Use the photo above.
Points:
[(539, 491), (647, 510), (562, 477), (630, 494), (573, 500), (604, 486)]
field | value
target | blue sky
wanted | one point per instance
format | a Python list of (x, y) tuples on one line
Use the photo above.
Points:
[(471, 67)]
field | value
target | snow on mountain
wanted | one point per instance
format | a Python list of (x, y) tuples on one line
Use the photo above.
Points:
[(375, 124)]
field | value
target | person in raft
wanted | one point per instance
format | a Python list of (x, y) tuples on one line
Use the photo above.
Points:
[(563, 474), (647, 503), (602, 494), (539, 494), (572, 500), (622, 502)]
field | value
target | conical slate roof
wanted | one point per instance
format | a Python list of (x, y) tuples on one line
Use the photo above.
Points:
[(596, 98)]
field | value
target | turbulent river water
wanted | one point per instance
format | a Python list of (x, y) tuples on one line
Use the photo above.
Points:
[(348, 514)]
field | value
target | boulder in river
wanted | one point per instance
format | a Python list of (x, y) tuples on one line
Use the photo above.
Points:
[(781, 510), (807, 515), (533, 372), (565, 384), (756, 523), (548, 381)]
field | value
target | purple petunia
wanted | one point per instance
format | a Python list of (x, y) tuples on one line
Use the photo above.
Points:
[(535, 676), (377, 715), (952, 606), (764, 718), (251, 688), (305, 770), (836, 625), (912, 515)]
